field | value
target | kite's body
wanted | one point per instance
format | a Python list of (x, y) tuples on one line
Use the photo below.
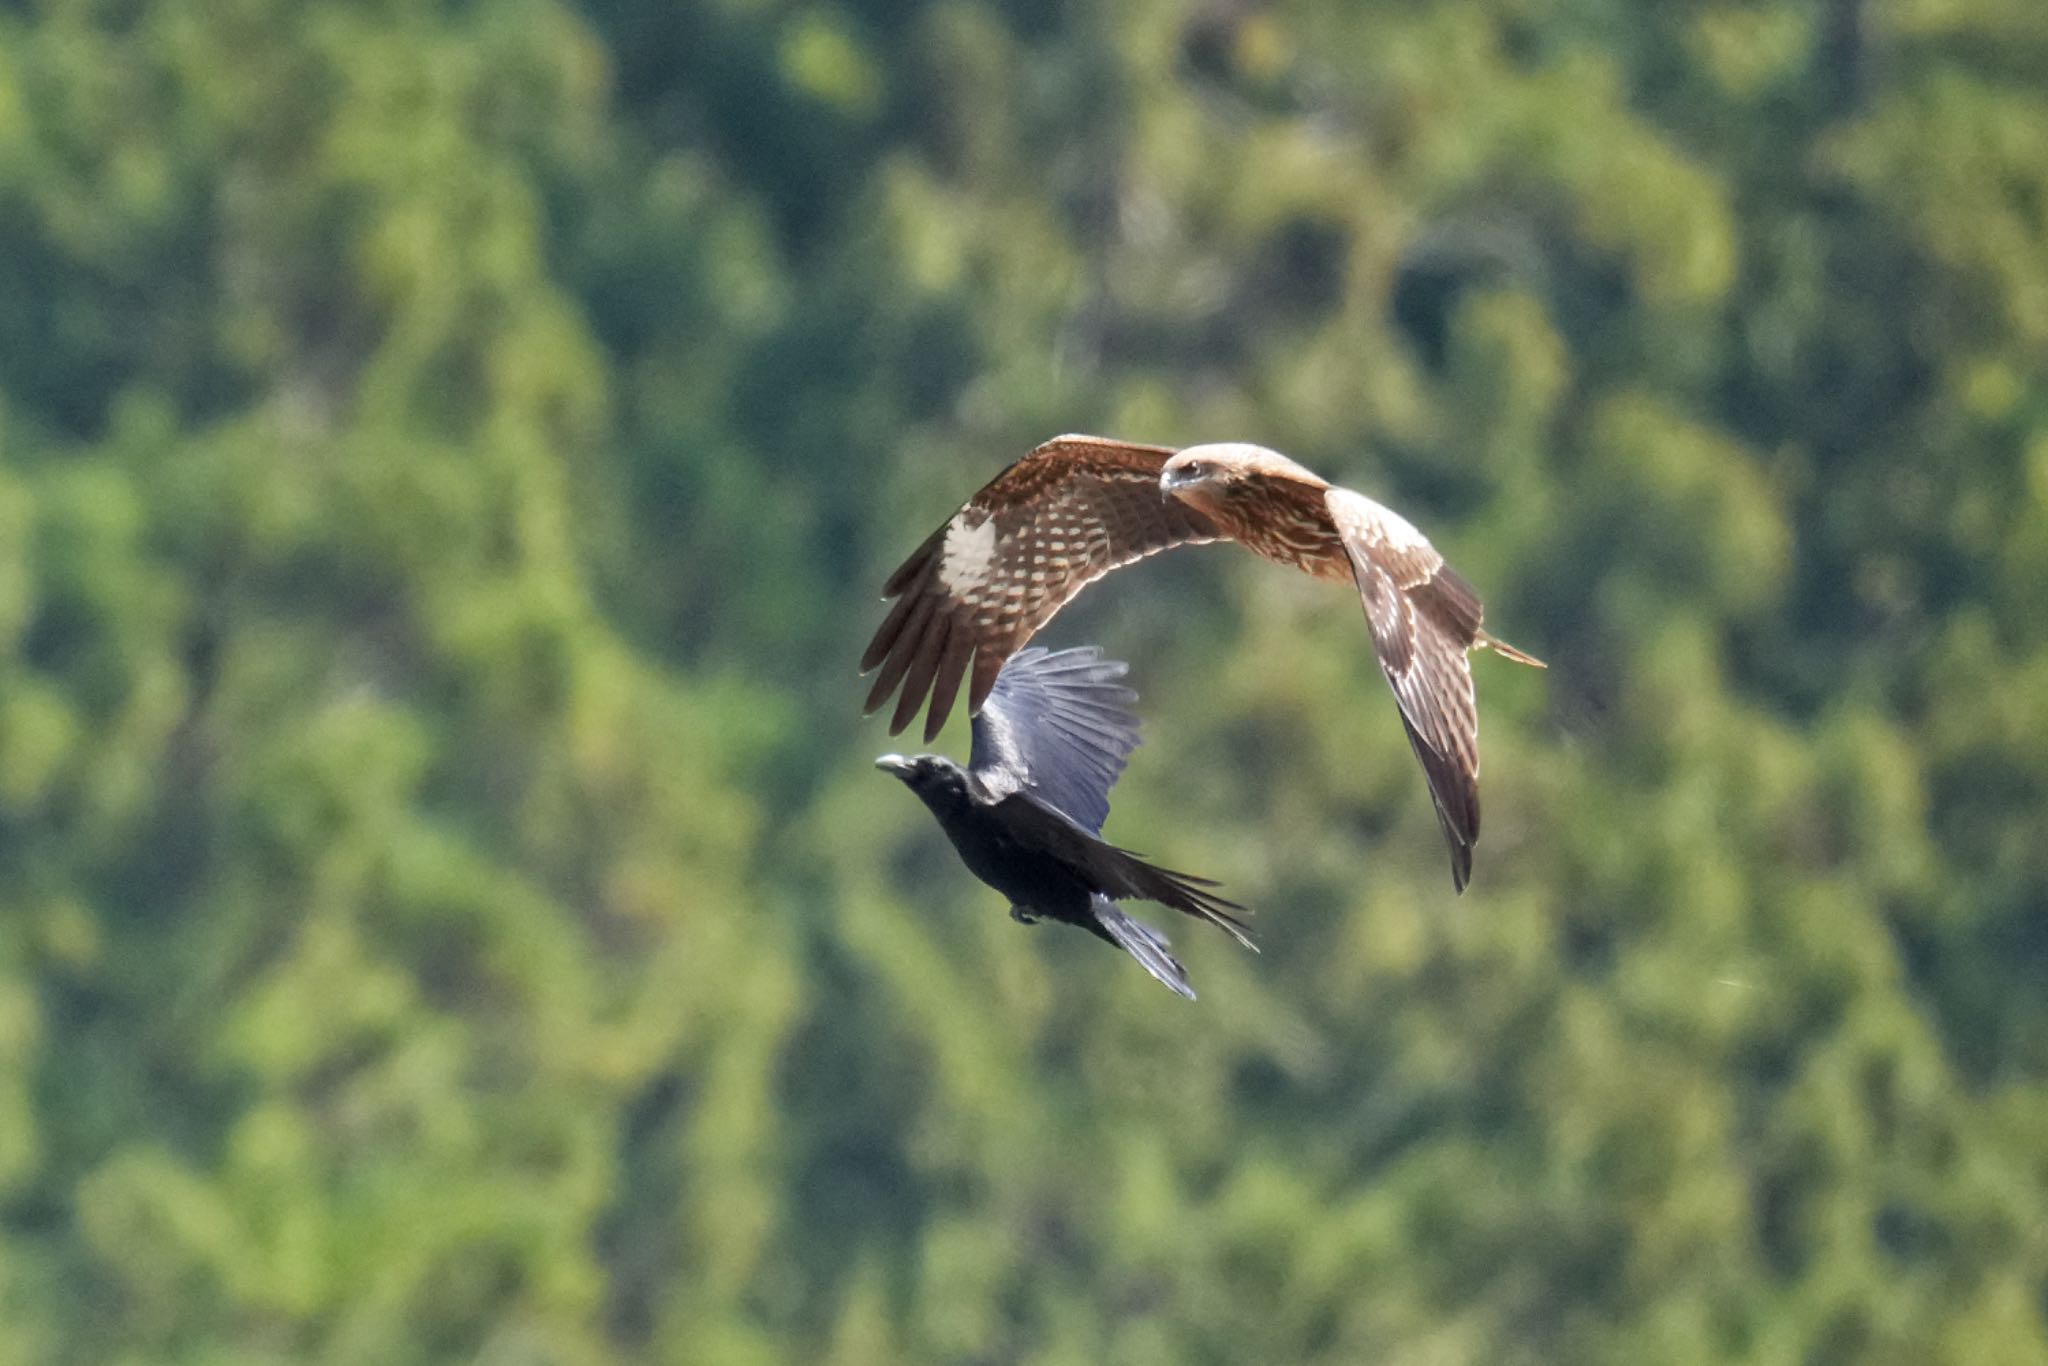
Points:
[(1079, 506)]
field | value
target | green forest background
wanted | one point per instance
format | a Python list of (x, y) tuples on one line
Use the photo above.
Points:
[(449, 456)]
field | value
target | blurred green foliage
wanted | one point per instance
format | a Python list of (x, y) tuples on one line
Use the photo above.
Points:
[(448, 455)]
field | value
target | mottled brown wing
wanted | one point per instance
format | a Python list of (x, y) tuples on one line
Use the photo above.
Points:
[(1424, 620), (983, 584)]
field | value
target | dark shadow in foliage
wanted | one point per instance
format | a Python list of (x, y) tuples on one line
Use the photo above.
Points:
[(638, 1238), (705, 76), (1300, 271), (75, 333), (855, 1198), (1841, 57), (1445, 263)]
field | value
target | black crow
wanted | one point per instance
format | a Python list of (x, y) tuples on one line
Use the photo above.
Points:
[(1026, 811)]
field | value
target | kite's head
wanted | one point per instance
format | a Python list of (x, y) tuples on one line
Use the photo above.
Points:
[(1201, 468), (933, 777), (1208, 476)]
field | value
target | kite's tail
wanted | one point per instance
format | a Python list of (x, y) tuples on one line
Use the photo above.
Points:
[(1143, 943), (1507, 651)]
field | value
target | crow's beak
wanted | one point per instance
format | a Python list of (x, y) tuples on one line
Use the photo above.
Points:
[(894, 763)]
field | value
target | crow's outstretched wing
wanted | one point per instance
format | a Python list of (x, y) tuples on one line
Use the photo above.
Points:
[(1056, 725)]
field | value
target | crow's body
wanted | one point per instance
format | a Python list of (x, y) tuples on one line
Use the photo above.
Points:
[(1023, 815)]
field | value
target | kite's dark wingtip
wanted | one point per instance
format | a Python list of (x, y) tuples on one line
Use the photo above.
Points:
[(1461, 867)]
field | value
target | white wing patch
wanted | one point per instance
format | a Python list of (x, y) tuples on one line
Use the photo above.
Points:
[(970, 554)]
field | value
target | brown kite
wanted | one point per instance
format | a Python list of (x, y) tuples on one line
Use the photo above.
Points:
[(1079, 506)]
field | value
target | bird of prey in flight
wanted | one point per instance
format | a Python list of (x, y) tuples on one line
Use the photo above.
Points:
[(1079, 506), (1026, 813)]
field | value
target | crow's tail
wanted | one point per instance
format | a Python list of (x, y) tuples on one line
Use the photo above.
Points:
[(1143, 943)]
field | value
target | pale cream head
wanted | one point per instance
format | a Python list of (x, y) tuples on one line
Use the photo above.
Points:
[(1217, 465)]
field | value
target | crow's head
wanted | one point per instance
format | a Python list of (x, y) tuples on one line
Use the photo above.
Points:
[(933, 777)]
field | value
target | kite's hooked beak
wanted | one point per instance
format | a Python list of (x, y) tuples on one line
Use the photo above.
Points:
[(1194, 467), (894, 763)]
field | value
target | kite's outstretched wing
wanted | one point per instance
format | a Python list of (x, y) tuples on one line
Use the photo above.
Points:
[(1058, 725), (1424, 618), (985, 582)]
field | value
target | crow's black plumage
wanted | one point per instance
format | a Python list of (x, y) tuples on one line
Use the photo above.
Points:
[(1026, 811)]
